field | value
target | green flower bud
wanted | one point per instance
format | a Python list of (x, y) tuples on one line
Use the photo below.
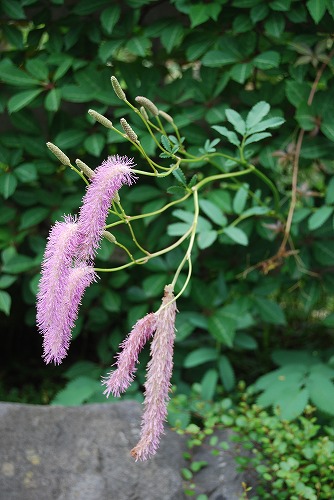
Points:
[(117, 88), (166, 116), (128, 130), (108, 236), (84, 168), (100, 118), (59, 154), (143, 101)]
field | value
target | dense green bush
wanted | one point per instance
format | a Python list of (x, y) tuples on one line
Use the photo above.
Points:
[(264, 287)]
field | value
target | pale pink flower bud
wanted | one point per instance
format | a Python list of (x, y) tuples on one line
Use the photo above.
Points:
[(120, 379), (58, 335), (107, 180), (158, 377)]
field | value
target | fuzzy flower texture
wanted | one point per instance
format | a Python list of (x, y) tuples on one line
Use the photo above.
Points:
[(67, 270), (67, 267)]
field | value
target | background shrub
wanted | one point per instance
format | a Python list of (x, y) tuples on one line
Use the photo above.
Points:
[(265, 287)]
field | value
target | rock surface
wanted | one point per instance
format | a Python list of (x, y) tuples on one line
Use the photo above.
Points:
[(82, 453)]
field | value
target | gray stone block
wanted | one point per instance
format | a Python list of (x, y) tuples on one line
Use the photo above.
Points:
[(83, 453)]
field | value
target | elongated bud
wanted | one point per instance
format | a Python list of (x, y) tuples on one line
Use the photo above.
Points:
[(59, 154), (166, 116), (108, 236), (85, 168), (143, 101), (117, 88), (100, 118), (128, 130), (143, 113), (116, 197)]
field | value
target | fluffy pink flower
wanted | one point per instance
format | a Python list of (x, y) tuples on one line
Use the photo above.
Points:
[(58, 256), (120, 379), (107, 180), (58, 335), (158, 377)]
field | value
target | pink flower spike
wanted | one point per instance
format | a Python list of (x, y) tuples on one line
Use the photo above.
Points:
[(56, 264), (108, 178), (58, 335), (158, 377), (119, 380)]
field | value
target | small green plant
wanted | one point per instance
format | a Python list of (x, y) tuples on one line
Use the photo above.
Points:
[(292, 460)]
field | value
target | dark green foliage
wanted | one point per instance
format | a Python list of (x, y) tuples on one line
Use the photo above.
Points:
[(229, 73)]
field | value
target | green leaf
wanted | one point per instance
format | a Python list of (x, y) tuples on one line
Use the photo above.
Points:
[(297, 92), (200, 13), (321, 392), (256, 137), (8, 183), (26, 172), (270, 311), (69, 138), (6, 280), (109, 18), (226, 372), (38, 69), (18, 264), (236, 234), (245, 341), (63, 67), (324, 252), (267, 60), (327, 128), (292, 402), (255, 115), (139, 45), (274, 122), (179, 175), (240, 199), (177, 229), (154, 284), (329, 198), (209, 384), (144, 193), (52, 100), (13, 9), (275, 25), (218, 58), (281, 5), (231, 136), (33, 216), (200, 356), (222, 327), (172, 36), (206, 238), (14, 76), (240, 72), (165, 143), (5, 302), (213, 212), (319, 217), (94, 144), (22, 99), (76, 392), (86, 7), (236, 120), (317, 9)]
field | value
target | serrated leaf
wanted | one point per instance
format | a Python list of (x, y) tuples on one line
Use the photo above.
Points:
[(165, 143), (236, 234), (292, 402), (267, 60), (22, 99), (177, 229), (139, 45), (200, 356), (236, 120), (76, 392), (321, 392), (176, 191), (256, 114), (179, 175), (172, 36)]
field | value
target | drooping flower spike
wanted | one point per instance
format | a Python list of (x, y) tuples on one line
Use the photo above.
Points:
[(58, 336), (107, 180), (57, 261), (119, 380)]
